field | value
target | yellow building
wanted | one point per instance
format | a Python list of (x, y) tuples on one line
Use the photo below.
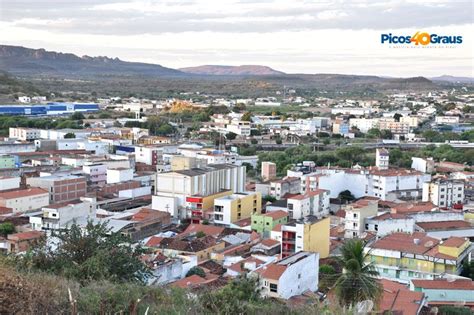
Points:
[(402, 256), (308, 234), (152, 140), (180, 162), (235, 207)]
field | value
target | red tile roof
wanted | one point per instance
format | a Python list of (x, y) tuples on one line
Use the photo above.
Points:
[(454, 242), (309, 194), (20, 193), (24, 236), (237, 267), (406, 242), (398, 299), (277, 228), (207, 229), (413, 207), (193, 281), (154, 241), (272, 271), (270, 242), (445, 284), (389, 216), (275, 215)]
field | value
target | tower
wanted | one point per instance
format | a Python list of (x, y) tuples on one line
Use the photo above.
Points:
[(382, 157)]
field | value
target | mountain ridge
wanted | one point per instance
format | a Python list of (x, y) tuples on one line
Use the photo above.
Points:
[(231, 70)]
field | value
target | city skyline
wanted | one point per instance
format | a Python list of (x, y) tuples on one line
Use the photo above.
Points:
[(302, 37)]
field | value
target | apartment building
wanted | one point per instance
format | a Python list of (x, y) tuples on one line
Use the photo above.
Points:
[(231, 208), (119, 175), (200, 208), (24, 134), (447, 120), (308, 234), (24, 200), (8, 161), (287, 185), (292, 275), (356, 214), (61, 188), (96, 173), (314, 203), (423, 165), (402, 256), (446, 291), (382, 158), (239, 127), (395, 127), (411, 121), (444, 193), (172, 188)]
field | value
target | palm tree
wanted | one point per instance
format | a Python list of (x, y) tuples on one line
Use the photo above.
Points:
[(358, 280)]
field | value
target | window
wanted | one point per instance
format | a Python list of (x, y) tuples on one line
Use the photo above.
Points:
[(385, 270), (355, 215), (290, 206), (376, 227), (273, 287), (441, 196), (299, 276), (254, 222), (459, 195), (268, 223), (366, 226)]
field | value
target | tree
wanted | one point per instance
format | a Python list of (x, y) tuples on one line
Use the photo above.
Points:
[(77, 116), (326, 277), (200, 234), (90, 253), (468, 269), (70, 135), (7, 228), (268, 198), (247, 116), (373, 133), (386, 134), (231, 136), (346, 195), (196, 271), (358, 280)]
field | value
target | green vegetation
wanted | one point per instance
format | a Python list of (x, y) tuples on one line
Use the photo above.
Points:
[(358, 281), (70, 135), (454, 310), (402, 158), (42, 123), (6, 228), (468, 269), (156, 125), (94, 253), (435, 136), (196, 271), (326, 277), (346, 196)]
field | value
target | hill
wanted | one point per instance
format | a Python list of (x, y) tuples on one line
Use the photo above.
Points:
[(39, 62), (452, 79), (244, 70)]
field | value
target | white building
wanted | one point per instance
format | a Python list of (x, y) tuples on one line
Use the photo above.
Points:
[(447, 120), (287, 185), (96, 173), (444, 193), (239, 127), (24, 134), (119, 175), (290, 276), (314, 203), (24, 200), (356, 213), (24, 99), (363, 124), (423, 165), (172, 188), (9, 183), (60, 216), (356, 111)]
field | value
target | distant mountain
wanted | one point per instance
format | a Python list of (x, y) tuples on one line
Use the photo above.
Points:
[(243, 70), (451, 79), (25, 61)]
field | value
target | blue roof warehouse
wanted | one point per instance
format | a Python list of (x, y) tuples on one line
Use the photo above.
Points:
[(48, 109)]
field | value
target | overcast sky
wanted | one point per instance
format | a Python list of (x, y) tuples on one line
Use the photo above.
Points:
[(290, 35)]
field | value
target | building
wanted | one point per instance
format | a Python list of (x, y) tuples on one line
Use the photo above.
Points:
[(446, 291), (96, 173), (265, 222), (447, 120), (290, 276), (287, 185), (444, 193), (8, 183), (172, 188), (61, 188), (47, 109), (268, 171), (411, 121), (22, 241), (356, 214), (308, 234), (382, 158), (61, 215), (119, 175), (201, 208), (403, 257), (201, 247), (24, 200), (423, 165), (314, 203), (24, 134), (395, 127), (398, 299), (232, 208), (239, 127), (179, 163), (8, 161)]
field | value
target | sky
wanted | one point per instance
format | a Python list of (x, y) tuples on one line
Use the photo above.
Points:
[(332, 36)]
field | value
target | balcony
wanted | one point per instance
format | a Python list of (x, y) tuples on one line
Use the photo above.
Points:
[(289, 240)]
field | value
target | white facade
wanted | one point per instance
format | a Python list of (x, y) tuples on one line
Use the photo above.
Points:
[(422, 165), (97, 173), (311, 203), (25, 200), (119, 175), (24, 134), (7, 183), (363, 124), (444, 193), (356, 214), (446, 120), (382, 158), (241, 128)]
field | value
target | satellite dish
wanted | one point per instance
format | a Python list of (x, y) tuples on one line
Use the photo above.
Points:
[(364, 307)]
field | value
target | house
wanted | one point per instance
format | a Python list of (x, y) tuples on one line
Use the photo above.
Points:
[(201, 247), (446, 291), (61, 188), (21, 242), (23, 200), (310, 234), (268, 246), (168, 269), (287, 185), (265, 222), (244, 266), (446, 229), (402, 256), (290, 276)]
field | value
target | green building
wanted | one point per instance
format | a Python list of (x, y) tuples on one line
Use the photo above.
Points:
[(7, 161), (265, 222)]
